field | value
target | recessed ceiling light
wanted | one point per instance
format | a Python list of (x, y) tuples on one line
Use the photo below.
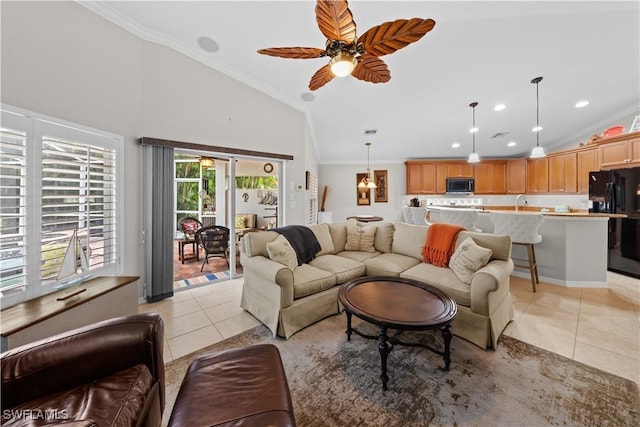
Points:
[(499, 107), (536, 129), (455, 145), (208, 44), (582, 103), (308, 96), (511, 144), (473, 130)]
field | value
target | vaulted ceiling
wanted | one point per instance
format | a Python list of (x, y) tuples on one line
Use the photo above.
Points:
[(478, 51)]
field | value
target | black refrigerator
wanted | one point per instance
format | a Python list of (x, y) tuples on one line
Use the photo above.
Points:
[(618, 191)]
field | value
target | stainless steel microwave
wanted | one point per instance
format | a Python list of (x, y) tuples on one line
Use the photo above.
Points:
[(460, 185)]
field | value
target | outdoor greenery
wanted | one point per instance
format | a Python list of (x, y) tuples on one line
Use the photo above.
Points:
[(257, 182)]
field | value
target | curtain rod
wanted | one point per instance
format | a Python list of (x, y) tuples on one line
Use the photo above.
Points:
[(211, 148)]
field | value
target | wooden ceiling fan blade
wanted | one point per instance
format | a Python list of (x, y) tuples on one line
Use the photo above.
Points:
[(371, 69), (388, 37), (321, 78), (335, 20), (294, 52)]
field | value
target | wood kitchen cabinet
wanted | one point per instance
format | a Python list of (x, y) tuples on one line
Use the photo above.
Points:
[(586, 161), (620, 151), (441, 178), (562, 173), (421, 177), (490, 176), (538, 175), (516, 176), (459, 169)]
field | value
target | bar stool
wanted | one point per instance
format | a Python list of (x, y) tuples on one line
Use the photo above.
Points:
[(522, 228), (460, 216)]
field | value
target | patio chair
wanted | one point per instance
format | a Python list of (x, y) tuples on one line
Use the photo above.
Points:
[(214, 239), (189, 225)]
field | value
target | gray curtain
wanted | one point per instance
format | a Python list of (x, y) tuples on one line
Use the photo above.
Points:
[(161, 238)]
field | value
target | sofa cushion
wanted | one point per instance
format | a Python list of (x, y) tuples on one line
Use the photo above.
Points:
[(308, 280), (344, 269), (409, 239), (338, 236), (468, 258), (384, 237), (321, 231), (500, 245), (256, 243), (113, 400), (389, 264), (280, 250), (358, 256), (360, 237), (442, 278)]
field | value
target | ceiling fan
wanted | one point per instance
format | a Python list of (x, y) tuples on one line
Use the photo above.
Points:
[(353, 55)]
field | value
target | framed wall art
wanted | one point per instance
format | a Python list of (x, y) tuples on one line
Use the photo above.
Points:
[(363, 194), (380, 179)]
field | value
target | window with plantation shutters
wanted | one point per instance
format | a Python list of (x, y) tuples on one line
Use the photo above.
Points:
[(78, 193), (56, 179), (312, 195), (13, 203)]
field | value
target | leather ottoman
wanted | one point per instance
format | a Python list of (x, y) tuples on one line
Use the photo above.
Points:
[(244, 386)]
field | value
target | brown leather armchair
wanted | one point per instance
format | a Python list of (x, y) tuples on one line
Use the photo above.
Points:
[(109, 373)]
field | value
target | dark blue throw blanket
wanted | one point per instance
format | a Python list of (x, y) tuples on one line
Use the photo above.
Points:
[(302, 240)]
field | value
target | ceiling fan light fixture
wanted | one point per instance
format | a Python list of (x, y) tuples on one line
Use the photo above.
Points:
[(342, 64)]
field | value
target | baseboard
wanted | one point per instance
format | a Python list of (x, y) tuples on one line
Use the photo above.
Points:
[(564, 283)]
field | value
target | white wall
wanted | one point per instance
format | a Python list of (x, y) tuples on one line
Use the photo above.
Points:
[(342, 194), (61, 60)]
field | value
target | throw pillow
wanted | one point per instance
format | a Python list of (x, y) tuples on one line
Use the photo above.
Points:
[(468, 258), (281, 251), (240, 222), (189, 228), (360, 237)]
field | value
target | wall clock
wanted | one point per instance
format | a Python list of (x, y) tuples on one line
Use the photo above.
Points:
[(268, 167)]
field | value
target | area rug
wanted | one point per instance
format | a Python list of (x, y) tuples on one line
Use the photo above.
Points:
[(201, 280), (335, 382)]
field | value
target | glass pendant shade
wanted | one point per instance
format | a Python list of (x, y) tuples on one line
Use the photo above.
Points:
[(537, 152), (474, 157)]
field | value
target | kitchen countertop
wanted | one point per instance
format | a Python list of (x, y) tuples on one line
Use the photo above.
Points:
[(551, 212), (534, 210)]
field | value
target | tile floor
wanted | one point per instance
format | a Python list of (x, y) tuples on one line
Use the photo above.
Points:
[(598, 327)]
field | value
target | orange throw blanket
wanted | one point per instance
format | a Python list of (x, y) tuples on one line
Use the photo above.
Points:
[(440, 244)]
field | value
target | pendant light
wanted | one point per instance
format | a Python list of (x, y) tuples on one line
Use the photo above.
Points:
[(537, 151), (366, 181), (206, 162), (473, 157)]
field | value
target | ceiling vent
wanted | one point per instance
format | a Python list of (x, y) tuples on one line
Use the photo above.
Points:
[(500, 135), (370, 131)]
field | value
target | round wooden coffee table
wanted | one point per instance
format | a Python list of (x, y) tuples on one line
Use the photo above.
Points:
[(399, 304)]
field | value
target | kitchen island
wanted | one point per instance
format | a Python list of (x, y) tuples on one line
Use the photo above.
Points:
[(573, 251)]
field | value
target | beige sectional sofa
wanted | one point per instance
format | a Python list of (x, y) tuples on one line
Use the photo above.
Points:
[(289, 298)]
